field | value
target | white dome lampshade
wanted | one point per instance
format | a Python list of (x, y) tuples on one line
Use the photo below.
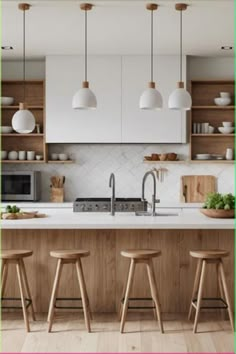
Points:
[(84, 98), (151, 98), (23, 121), (180, 99)]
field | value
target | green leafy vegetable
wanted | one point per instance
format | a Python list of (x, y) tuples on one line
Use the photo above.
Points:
[(12, 209), (219, 201)]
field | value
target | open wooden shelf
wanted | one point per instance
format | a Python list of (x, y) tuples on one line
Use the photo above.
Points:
[(213, 107), (23, 161), (23, 135), (165, 162), (214, 135), (17, 107), (59, 161), (204, 111)]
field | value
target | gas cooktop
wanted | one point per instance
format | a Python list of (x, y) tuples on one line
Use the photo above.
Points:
[(104, 205)]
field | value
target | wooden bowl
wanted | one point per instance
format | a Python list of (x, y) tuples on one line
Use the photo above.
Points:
[(147, 158), (163, 157), (155, 157), (171, 156), (218, 213)]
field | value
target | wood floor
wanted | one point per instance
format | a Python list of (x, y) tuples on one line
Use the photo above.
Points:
[(141, 335)]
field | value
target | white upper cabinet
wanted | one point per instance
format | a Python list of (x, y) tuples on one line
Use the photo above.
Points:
[(142, 126), (64, 76), (117, 83)]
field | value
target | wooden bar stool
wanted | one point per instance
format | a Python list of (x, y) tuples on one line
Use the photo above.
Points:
[(68, 257), (145, 257), (16, 257), (205, 257)]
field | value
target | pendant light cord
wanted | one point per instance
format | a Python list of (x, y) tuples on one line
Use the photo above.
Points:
[(151, 45), (85, 43), (24, 54), (181, 44)]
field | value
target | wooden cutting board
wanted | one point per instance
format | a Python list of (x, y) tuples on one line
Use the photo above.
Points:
[(22, 215), (194, 189)]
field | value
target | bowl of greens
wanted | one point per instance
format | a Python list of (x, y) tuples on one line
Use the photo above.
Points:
[(219, 205)]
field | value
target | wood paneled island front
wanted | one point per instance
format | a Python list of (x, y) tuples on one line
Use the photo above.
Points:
[(105, 269)]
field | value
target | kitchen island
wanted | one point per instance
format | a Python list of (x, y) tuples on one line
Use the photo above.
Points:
[(105, 270)]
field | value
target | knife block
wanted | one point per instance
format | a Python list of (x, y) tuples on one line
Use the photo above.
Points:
[(57, 195)]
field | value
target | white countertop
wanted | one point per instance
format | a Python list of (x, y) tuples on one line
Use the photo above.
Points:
[(66, 219)]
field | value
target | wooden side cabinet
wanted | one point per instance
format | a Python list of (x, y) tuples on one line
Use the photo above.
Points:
[(204, 110)]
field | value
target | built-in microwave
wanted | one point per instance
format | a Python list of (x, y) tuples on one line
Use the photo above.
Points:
[(21, 185)]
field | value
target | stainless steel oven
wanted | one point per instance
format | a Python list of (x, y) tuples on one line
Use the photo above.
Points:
[(21, 185)]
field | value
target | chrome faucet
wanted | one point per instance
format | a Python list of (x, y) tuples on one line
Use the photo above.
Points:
[(154, 200), (112, 183)]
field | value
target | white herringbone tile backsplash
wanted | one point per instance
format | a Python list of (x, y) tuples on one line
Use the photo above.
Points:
[(89, 175)]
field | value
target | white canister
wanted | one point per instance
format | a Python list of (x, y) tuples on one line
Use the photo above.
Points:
[(13, 155), (229, 154), (22, 155), (30, 155)]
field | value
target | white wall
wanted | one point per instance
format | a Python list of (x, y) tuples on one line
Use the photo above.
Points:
[(13, 70), (94, 162)]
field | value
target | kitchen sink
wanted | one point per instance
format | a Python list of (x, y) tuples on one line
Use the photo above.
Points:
[(149, 213)]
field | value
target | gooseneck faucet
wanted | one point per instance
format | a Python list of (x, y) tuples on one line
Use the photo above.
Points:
[(112, 183), (150, 173)]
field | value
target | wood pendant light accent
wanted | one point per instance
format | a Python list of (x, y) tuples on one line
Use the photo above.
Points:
[(24, 6), (181, 7), (151, 7), (180, 84), (86, 6), (151, 84), (23, 106), (85, 84)]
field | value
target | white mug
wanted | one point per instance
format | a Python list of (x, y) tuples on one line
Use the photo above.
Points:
[(22, 155), (229, 154), (30, 155)]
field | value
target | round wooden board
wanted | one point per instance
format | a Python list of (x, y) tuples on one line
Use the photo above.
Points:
[(218, 213)]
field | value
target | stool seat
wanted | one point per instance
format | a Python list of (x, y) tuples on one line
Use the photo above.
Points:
[(209, 254), (140, 254), (69, 254), (15, 254)]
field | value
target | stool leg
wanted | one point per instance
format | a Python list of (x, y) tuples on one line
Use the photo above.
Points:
[(83, 293), (127, 293), (222, 273), (219, 280), (154, 293), (195, 286), (199, 297), (4, 272), (20, 280), (54, 294), (86, 294), (27, 288), (122, 297)]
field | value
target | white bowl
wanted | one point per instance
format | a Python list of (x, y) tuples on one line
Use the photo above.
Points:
[(3, 155), (63, 157), (226, 130), (211, 129), (6, 129), (203, 156), (222, 101), (7, 101), (225, 94), (13, 155), (54, 156), (227, 124)]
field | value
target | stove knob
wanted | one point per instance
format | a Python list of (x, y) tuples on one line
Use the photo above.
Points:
[(126, 206), (96, 207), (105, 207), (82, 207)]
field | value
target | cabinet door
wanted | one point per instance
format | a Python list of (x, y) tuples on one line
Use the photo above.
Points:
[(142, 126), (64, 76)]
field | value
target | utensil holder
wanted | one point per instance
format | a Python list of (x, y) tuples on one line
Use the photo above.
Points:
[(57, 195)]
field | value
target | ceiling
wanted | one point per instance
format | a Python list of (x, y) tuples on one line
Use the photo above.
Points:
[(117, 27)]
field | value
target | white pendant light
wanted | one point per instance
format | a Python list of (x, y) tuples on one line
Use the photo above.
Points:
[(180, 99), (23, 121), (85, 98), (151, 98)]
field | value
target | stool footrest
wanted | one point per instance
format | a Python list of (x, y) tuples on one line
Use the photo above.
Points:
[(139, 299), (28, 303), (68, 299), (224, 306)]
